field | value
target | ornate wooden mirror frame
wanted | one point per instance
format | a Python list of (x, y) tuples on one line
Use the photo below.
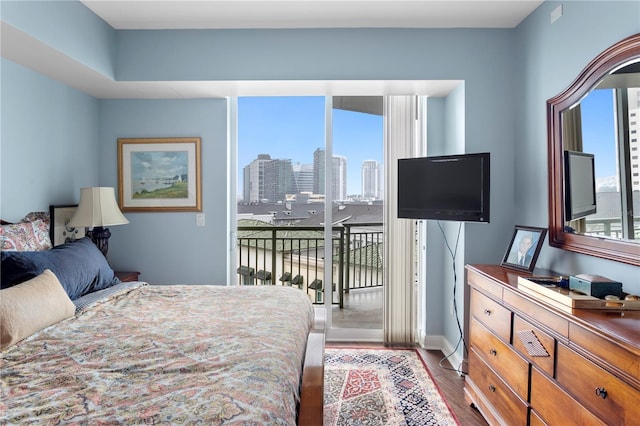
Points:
[(624, 251)]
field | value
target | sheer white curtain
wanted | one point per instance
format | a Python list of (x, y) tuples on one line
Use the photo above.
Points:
[(402, 139), (572, 140)]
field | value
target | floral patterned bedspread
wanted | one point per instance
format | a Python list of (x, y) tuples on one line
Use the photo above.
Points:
[(164, 355)]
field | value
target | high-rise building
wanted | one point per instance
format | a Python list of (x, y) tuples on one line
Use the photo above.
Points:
[(634, 136), (253, 175), (278, 180), (303, 177), (267, 179), (318, 171), (372, 186), (339, 183), (339, 175)]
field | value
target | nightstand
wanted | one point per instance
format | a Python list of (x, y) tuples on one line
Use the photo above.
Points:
[(126, 276)]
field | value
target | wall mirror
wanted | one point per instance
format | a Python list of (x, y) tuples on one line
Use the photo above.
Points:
[(599, 115)]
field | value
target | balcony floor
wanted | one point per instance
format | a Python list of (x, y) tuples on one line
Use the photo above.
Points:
[(362, 309)]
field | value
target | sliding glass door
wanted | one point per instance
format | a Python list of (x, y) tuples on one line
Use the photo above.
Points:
[(312, 187), (354, 139)]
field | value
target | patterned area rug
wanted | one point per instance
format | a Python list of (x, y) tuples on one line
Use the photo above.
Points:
[(381, 387)]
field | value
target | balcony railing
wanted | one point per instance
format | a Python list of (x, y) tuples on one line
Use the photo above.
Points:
[(611, 228), (295, 256)]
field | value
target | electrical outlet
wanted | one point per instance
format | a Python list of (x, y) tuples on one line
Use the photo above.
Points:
[(200, 219)]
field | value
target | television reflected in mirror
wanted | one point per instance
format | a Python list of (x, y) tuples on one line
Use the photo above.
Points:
[(579, 184)]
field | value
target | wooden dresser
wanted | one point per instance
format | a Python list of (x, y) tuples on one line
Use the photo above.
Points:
[(531, 364)]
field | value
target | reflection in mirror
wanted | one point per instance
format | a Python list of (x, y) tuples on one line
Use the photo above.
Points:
[(606, 124), (598, 114)]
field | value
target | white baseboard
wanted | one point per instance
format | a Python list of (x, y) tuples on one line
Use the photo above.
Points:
[(442, 344)]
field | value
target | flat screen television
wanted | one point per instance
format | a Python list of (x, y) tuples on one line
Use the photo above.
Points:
[(579, 185), (451, 187)]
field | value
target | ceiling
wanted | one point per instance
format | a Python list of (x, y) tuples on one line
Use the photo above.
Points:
[(23, 49), (210, 14)]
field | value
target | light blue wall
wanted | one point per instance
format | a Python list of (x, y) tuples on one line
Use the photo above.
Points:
[(168, 248), (48, 142), (69, 26), (436, 249), (549, 57), (478, 55), (457, 140)]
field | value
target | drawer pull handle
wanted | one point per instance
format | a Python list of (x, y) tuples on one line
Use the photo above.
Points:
[(601, 392), (493, 352), (487, 312), (492, 388)]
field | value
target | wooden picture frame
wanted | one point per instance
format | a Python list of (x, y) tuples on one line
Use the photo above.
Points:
[(524, 248), (159, 175), (59, 231)]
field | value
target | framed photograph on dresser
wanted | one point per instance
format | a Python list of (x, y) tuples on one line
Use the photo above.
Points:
[(59, 230), (524, 248)]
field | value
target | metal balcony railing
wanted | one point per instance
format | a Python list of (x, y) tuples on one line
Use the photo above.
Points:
[(295, 256), (611, 228)]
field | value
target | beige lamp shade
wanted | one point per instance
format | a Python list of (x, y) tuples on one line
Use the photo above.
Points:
[(98, 207)]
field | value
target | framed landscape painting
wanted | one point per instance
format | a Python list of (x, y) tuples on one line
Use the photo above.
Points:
[(159, 175)]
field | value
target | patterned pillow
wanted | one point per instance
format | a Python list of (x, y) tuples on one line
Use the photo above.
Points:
[(25, 236), (33, 216)]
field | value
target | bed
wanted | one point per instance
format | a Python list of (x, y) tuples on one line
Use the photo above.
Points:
[(80, 347)]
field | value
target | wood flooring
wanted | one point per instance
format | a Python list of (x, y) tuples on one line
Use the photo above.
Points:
[(450, 383), (451, 386)]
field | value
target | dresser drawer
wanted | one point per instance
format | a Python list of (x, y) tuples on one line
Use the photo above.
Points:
[(623, 359), (607, 396), (499, 356), (496, 393), (555, 405), (537, 311), (494, 316), (533, 343), (535, 420), (482, 281)]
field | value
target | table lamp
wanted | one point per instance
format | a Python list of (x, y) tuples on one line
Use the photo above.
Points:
[(97, 210)]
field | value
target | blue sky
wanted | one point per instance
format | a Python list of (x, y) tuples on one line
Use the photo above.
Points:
[(598, 131), (293, 128)]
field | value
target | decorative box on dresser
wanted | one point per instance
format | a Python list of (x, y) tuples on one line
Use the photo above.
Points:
[(533, 364)]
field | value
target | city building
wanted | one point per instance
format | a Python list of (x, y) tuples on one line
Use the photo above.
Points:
[(318, 171), (253, 179), (339, 183), (339, 175), (372, 183), (634, 136), (268, 180), (303, 177), (278, 180)]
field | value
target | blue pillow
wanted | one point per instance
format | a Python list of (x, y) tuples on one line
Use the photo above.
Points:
[(80, 267)]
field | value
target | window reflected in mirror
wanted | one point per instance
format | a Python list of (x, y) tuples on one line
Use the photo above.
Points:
[(606, 124), (617, 163)]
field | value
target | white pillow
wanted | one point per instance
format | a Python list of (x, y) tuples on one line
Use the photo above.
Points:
[(31, 306)]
